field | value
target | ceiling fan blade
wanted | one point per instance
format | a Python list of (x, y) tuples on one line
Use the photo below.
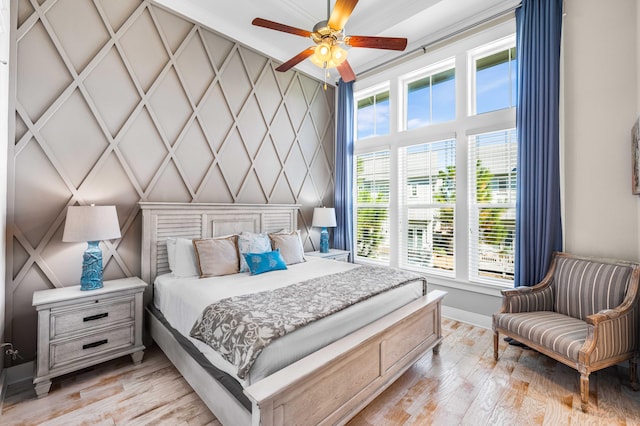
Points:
[(346, 72), (296, 59), (341, 12), (259, 22), (390, 43)]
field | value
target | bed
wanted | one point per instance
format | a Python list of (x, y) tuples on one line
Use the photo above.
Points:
[(329, 385)]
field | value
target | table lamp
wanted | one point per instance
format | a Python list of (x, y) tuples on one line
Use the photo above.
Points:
[(324, 217), (91, 224)]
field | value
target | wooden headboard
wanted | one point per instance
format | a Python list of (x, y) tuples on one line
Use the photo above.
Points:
[(203, 220)]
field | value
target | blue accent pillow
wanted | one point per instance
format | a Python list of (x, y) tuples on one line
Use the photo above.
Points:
[(264, 262), (248, 242)]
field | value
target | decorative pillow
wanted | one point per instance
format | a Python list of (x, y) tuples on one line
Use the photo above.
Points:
[(248, 242), (171, 252), (264, 262), (185, 263), (290, 245), (217, 256)]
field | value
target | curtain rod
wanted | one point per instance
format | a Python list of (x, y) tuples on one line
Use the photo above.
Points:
[(407, 55)]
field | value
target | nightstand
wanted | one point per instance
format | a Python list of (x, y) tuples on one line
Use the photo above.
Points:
[(334, 254), (77, 329)]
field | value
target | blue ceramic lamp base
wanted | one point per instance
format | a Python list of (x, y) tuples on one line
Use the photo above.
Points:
[(91, 267), (324, 240)]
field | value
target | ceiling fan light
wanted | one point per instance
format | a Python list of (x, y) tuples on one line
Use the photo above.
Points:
[(323, 52), (338, 54)]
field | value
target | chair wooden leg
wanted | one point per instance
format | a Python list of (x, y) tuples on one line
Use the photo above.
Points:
[(436, 349), (633, 374), (584, 392), (496, 340)]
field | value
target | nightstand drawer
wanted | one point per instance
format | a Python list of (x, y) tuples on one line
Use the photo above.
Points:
[(67, 351), (94, 314)]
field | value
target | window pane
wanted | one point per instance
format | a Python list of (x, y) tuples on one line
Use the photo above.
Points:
[(431, 99), (495, 81), (382, 114), (372, 206), (444, 97), (373, 115), (418, 103), (427, 209), (492, 161), (366, 119)]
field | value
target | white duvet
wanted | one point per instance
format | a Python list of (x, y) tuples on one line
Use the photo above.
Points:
[(182, 300)]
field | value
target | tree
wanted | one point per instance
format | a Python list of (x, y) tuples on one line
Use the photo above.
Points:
[(444, 191), (493, 227)]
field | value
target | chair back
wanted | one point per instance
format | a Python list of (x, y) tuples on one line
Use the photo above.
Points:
[(585, 286)]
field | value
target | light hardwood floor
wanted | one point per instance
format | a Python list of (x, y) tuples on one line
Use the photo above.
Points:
[(462, 385)]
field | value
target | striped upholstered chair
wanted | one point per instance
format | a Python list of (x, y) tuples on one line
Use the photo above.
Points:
[(584, 313)]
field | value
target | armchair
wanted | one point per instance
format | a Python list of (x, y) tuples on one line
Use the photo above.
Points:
[(585, 313)]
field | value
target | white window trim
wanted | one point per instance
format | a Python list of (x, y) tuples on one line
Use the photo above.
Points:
[(479, 52), (371, 91), (406, 79)]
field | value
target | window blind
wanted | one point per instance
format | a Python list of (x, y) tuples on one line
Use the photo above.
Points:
[(492, 199), (427, 206), (372, 206)]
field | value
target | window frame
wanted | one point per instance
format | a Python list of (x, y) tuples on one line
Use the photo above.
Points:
[(474, 206), (372, 91), (407, 79), (479, 53)]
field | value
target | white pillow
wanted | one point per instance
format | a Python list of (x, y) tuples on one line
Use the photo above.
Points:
[(171, 252), (185, 263), (249, 242)]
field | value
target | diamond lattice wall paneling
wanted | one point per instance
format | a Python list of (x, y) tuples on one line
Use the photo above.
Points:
[(116, 101), (79, 30), (121, 101)]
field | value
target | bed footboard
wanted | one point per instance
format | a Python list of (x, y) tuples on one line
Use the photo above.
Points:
[(333, 384)]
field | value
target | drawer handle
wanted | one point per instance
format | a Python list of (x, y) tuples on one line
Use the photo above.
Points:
[(95, 344), (95, 317)]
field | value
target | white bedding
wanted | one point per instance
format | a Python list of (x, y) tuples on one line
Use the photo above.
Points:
[(182, 300)]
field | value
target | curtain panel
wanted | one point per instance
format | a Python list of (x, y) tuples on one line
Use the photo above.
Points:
[(538, 210), (343, 202)]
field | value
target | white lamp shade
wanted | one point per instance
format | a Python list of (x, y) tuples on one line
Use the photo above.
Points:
[(91, 223), (324, 217)]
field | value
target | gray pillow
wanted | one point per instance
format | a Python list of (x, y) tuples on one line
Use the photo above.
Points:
[(217, 256)]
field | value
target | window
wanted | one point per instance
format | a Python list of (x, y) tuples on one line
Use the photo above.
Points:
[(494, 72), (492, 176), (372, 206), (372, 115), (431, 98), (428, 217), (436, 194)]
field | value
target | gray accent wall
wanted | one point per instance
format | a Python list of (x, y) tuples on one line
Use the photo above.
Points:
[(121, 101)]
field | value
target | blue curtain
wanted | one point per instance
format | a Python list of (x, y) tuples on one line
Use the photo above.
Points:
[(538, 221), (343, 202)]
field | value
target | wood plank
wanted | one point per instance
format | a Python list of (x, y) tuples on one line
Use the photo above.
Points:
[(444, 389)]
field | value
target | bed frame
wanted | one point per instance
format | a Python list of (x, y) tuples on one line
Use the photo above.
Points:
[(329, 386)]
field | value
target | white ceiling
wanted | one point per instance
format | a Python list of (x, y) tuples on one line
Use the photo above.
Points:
[(420, 21)]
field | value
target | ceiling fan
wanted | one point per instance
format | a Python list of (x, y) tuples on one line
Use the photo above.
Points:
[(329, 38)]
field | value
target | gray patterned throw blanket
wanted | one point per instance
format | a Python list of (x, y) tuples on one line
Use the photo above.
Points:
[(240, 327)]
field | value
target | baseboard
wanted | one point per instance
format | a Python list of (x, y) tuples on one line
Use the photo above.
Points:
[(19, 373), (472, 318), (3, 387)]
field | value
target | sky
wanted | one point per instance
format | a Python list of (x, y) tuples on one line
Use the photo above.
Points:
[(495, 89)]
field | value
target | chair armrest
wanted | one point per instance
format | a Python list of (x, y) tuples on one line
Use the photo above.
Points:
[(604, 315), (603, 336), (528, 299)]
